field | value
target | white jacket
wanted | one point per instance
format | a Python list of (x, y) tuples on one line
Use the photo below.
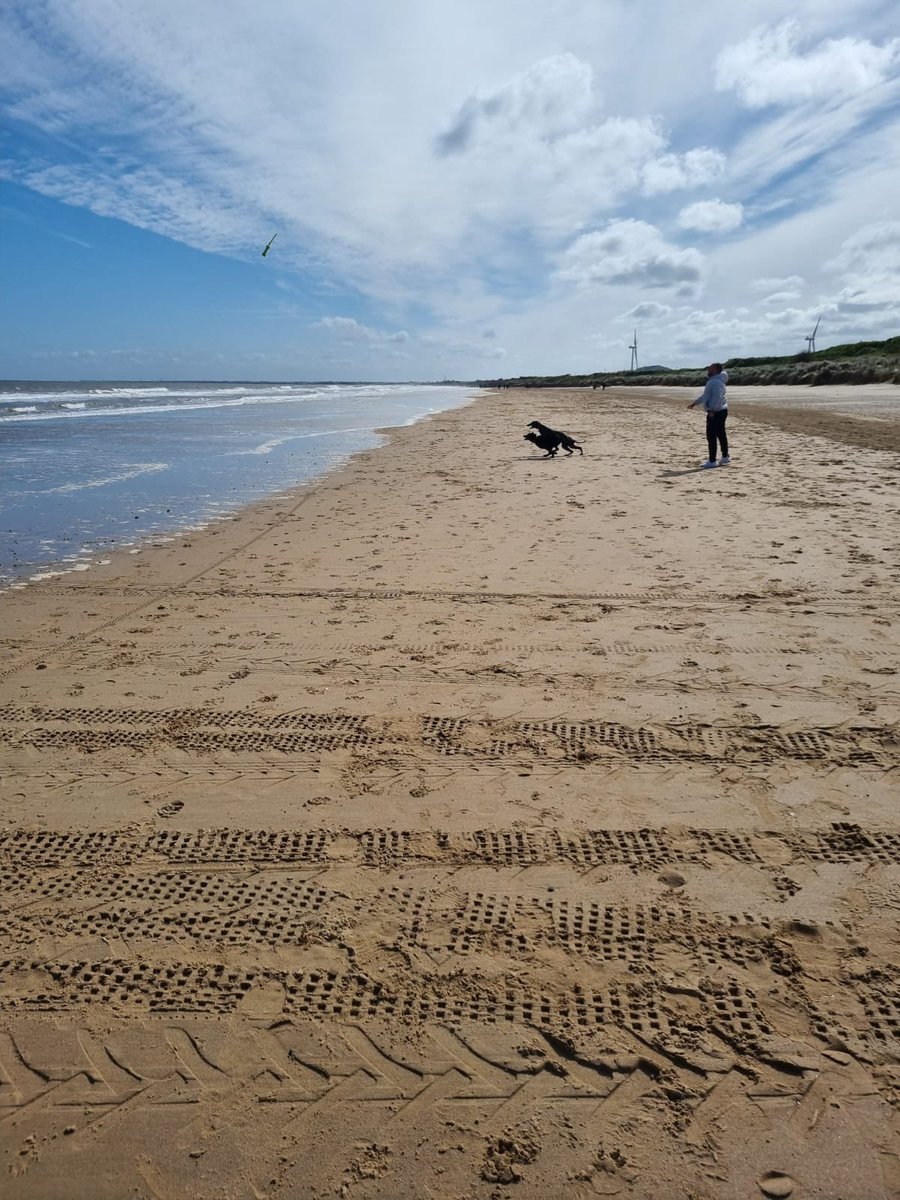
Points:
[(713, 395)]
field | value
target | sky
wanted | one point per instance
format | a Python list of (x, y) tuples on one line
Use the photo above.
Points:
[(461, 189)]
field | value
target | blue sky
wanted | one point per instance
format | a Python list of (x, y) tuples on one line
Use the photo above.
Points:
[(461, 188)]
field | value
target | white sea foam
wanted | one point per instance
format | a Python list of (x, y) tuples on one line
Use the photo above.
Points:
[(79, 566), (70, 405), (274, 443), (78, 393), (138, 393), (132, 471), (80, 409)]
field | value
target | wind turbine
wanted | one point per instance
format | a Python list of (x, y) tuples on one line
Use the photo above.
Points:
[(633, 349), (811, 340)]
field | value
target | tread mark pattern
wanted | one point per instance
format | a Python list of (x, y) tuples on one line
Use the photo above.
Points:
[(639, 849), (208, 731)]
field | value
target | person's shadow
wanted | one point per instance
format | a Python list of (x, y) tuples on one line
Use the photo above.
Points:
[(689, 471)]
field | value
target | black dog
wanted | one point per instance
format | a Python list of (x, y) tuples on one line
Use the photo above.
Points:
[(551, 439), (551, 444)]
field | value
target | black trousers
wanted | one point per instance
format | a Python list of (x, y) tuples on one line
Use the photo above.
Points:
[(715, 432)]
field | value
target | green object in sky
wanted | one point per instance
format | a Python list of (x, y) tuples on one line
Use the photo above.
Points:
[(269, 246)]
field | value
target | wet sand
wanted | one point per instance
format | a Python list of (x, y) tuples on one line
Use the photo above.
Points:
[(471, 824)]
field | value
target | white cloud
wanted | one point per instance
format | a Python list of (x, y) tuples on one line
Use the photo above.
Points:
[(868, 267), (449, 348), (144, 197), (689, 334), (777, 283), (539, 154), (549, 100), (235, 137), (873, 298), (348, 330), (711, 216), (630, 252), (671, 172), (344, 327), (649, 309), (767, 68), (873, 251), (465, 179)]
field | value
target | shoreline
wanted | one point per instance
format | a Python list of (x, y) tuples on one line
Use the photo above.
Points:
[(87, 559), (462, 802)]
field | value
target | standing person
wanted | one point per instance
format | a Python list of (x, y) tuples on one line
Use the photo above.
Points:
[(716, 405)]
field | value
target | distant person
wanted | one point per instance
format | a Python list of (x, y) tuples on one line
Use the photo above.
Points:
[(715, 404)]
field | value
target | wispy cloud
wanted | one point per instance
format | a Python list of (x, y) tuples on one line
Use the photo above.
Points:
[(776, 283), (872, 251), (349, 330), (450, 349), (433, 175), (824, 96)]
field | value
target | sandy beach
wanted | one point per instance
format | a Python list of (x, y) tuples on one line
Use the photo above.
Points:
[(472, 825)]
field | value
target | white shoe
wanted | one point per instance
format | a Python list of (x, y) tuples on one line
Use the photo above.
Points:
[(710, 462), (723, 462)]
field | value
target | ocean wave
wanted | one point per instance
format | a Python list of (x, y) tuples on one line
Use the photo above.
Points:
[(131, 391), (136, 392), (72, 409), (42, 397), (47, 406), (70, 392)]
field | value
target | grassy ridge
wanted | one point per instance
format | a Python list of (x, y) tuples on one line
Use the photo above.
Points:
[(856, 362)]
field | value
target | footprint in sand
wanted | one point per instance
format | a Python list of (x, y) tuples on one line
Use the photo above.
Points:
[(776, 1185), (170, 809), (672, 879)]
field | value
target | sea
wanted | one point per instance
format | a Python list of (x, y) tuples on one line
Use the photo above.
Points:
[(90, 468)]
